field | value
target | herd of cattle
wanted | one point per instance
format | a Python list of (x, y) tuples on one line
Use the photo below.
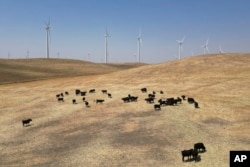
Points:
[(150, 99), (192, 154)]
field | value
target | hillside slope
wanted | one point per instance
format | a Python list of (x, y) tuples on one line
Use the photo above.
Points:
[(21, 70), (130, 134)]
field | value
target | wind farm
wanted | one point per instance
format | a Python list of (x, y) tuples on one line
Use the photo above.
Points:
[(142, 83)]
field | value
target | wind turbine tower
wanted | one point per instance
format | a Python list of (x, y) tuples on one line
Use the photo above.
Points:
[(106, 46), (139, 42), (47, 28), (180, 46), (220, 50), (205, 46)]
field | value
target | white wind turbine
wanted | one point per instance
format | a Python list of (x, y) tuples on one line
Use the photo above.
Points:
[(205, 46), (139, 42), (106, 35), (220, 50), (47, 28), (180, 46)]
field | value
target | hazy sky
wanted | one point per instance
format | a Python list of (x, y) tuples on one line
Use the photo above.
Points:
[(78, 28)]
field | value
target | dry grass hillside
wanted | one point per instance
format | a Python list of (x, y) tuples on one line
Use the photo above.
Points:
[(130, 134), (22, 70)]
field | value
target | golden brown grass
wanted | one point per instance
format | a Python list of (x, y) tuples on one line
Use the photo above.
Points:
[(23, 70), (133, 134)]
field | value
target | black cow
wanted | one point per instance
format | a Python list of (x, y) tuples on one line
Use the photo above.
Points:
[(78, 91), (126, 99), (133, 98), (171, 101), (26, 121), (99, 101), (154, 93), (183, 97), (83, 93), (162, 102), (104, 91), (92, 91), (83, 99), (187, 153), (143, 90), (151, 95), (150, 100), (179, 100), (200, 147), (157, 107), (74, 101), (191, 100), (60, 99), (161, 92), (66, 93), (86, 104), (196, 105), (58, 95), (109, 95), (62, 94)]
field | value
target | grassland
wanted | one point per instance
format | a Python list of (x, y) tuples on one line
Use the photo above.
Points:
[(133, 134), (23, 70)]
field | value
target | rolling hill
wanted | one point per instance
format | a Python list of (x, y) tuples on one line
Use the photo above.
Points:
[(130, 134), (23, 70)]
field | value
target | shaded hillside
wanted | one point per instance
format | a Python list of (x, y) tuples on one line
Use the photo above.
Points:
[(20, 70)]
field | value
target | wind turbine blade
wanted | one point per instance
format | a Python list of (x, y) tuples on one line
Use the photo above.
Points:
[(207, 49), (183, 39)]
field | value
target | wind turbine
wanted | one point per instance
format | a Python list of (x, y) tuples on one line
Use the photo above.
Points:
[(139, 42), (180, 46), (205, 46), (47, 28), (106, 35), (220, 50)]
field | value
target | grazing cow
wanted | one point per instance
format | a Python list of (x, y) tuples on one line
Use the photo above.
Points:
[(191, 100), (86, 104), (99, 101), (66, 93), (171, 101), (92, 91), (161, 92), (60, 99), (154, 93), (144, 90), (151, 95), (26, 121), (126, 99), (78, 91), (157, 107), (187, 153), (62, 94), (163, 102), (83, 93), (109, 95), (104, 91), (200, 147), (179, 100), (83, 99), (133, 98), (74, 101), (183, 97), (196, 105), (58, 95), (150, 100)]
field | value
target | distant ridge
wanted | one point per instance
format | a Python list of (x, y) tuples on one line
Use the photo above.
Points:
[(24, 70)]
